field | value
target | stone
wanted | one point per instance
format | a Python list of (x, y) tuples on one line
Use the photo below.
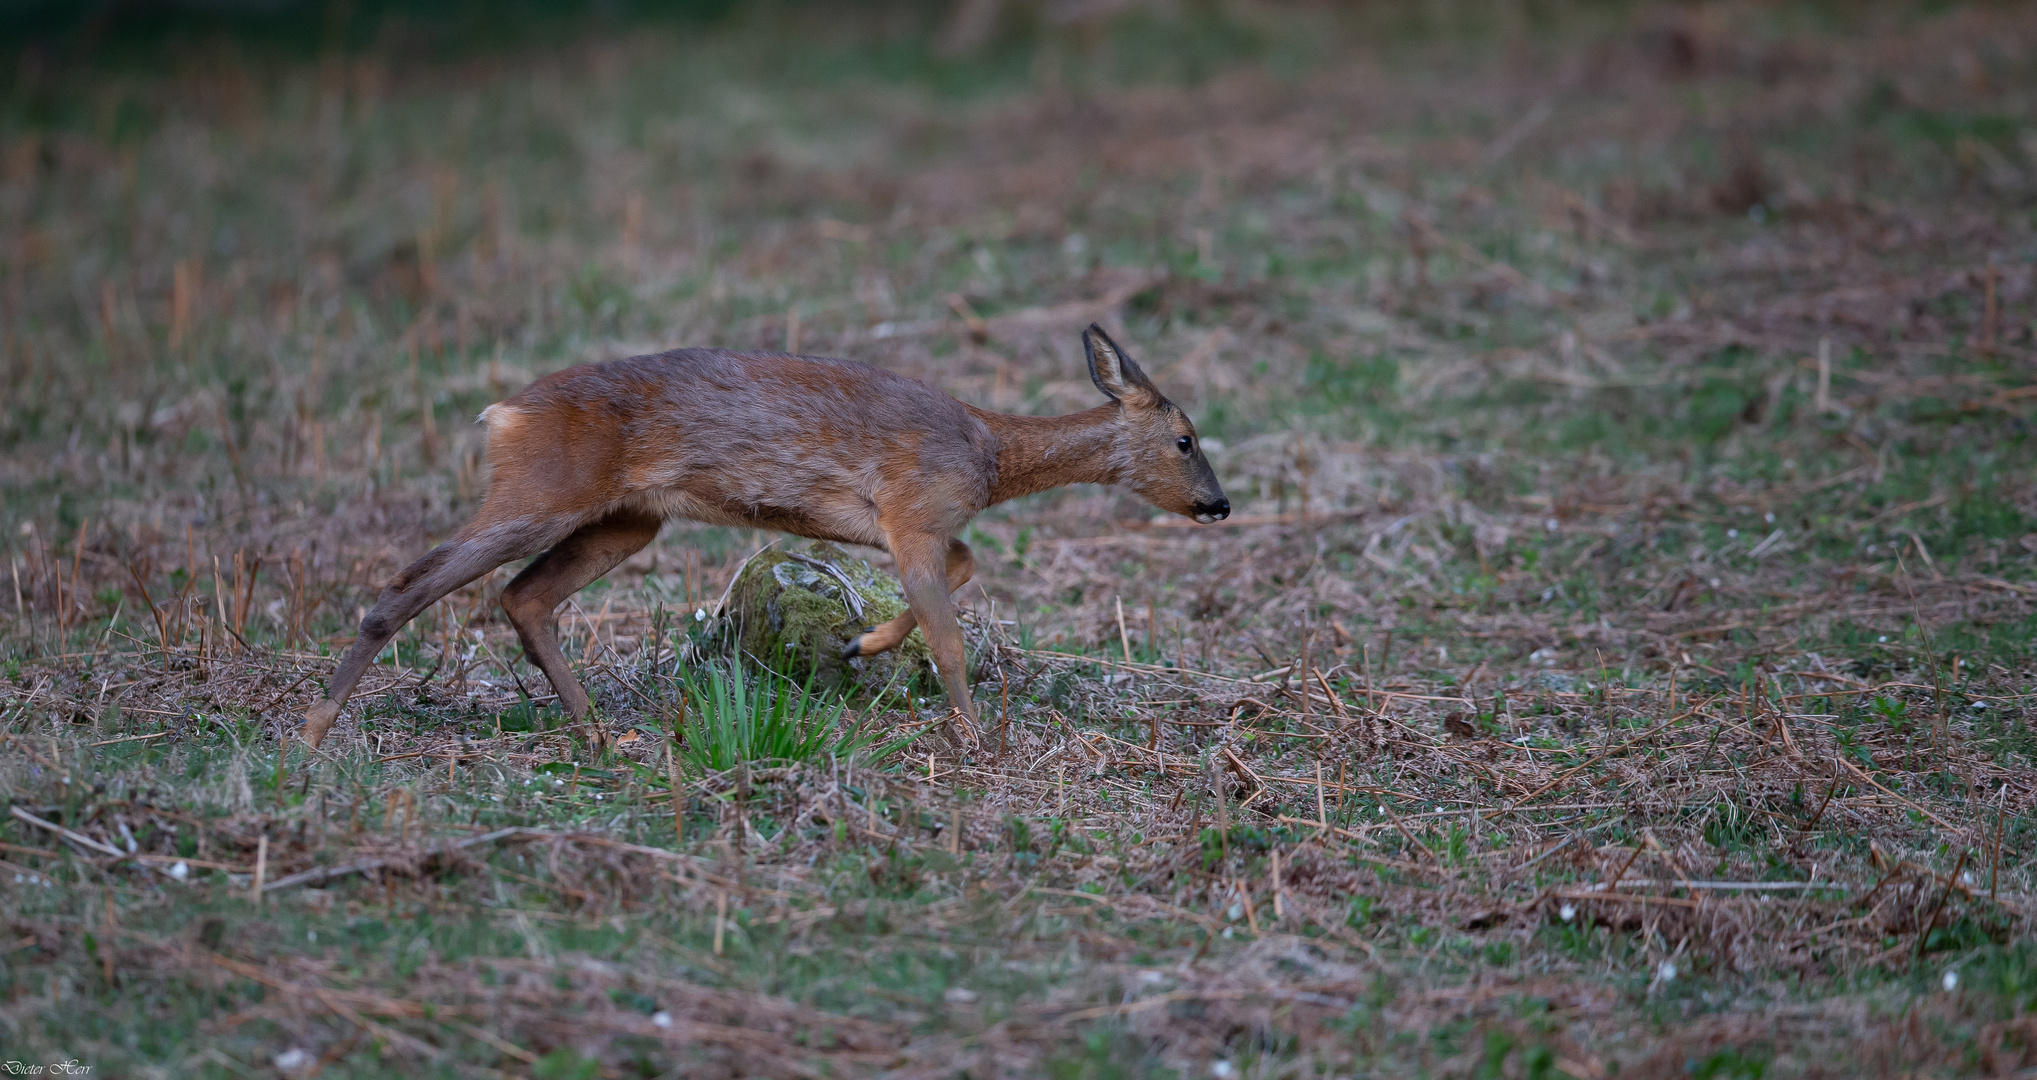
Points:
[(794, 612)]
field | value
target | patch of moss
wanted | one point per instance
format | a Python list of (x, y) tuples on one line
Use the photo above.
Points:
[(794, 611)]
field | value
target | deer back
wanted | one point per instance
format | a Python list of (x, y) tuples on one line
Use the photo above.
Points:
[(809, 445)]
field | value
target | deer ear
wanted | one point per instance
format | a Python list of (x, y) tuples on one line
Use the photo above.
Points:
[(1114, 373)]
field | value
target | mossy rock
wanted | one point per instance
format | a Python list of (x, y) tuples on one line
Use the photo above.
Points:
[(794, 611)]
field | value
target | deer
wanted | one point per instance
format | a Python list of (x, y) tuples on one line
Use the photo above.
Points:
[(588, 462)]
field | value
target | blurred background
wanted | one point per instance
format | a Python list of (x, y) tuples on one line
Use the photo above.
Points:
[(346, 226), (273, 256)]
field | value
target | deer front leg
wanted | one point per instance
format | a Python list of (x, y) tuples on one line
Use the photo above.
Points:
[(889, 635), (920, 570)]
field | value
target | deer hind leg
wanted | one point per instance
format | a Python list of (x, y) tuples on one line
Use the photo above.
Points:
[(891, 634), (479, 548), (933, 603), (571, 565)]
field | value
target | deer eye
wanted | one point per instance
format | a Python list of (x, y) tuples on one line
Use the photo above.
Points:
[(1185, 443)]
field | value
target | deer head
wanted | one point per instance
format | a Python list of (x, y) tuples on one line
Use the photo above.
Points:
[(1155, 452)]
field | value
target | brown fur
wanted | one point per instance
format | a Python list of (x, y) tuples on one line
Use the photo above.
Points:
[(589, 461)]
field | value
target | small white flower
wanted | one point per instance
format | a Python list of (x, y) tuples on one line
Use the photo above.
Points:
[(1884, 637), (1769, 517), (958, 995), (292, 1059), (699, 614), (661, 1018), (1733, 533), (1220, 1068), (1978, 705), (1568, 912), (1665, 971), (1550, 524), (311, 935), (1235, 912), (180, 870), (1951, 980)]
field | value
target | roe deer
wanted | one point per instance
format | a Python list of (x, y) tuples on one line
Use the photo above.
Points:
[(587, 462)]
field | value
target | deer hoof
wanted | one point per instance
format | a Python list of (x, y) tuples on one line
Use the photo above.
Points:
[(318, 720), (962, 732), (854, 648)]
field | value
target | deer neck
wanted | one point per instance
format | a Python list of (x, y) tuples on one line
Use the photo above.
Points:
[(1038, 453)]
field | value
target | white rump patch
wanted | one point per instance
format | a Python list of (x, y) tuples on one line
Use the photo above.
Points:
[(500, 418)]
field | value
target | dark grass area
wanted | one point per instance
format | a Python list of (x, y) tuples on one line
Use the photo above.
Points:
[(1621, 646)]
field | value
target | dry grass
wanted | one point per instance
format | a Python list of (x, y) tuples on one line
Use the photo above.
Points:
[(1621, 646)]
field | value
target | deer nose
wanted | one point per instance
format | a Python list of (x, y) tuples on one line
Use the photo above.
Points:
[(1207, 512)]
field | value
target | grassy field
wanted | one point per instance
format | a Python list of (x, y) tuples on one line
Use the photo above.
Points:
[(1619, 663)]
